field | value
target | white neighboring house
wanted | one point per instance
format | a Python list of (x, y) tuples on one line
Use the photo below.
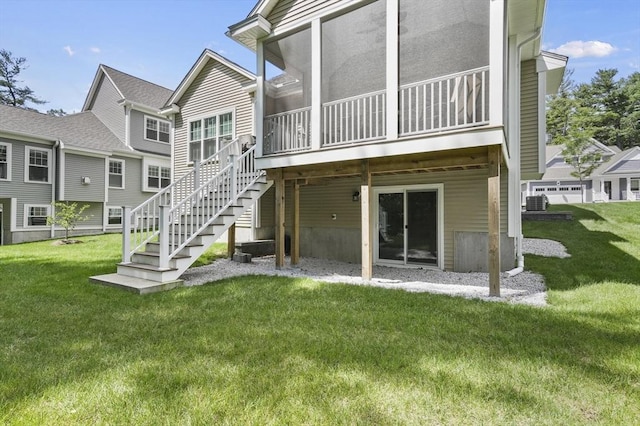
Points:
[(617, 178)]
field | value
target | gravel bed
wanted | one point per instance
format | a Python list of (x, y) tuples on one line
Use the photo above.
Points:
[(525, 287)]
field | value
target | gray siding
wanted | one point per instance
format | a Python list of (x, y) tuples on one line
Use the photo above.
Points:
[(105, 107), (25, 193), (465, 209), (132, 194), (137, 136), (77, 166), (216, 88), (529, 149), (290, 11)]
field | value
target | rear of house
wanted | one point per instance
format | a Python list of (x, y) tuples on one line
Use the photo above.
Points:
[(392, 128)]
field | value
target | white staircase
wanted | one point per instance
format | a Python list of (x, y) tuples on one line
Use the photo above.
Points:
[(163, 236)]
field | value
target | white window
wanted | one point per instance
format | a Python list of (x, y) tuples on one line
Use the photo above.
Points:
[(635, 184), (114, 216), (158, 177), (36, 215), (5, 161), (38, 165), (156, 129), (116, 174), (209, 134)]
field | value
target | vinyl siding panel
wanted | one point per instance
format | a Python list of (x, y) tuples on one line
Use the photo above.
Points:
[(529, 148), (132, 194), (25, 193), (288, 12), (465, 209), (105, 107), (137, 136), (216, 88), (77, 166)]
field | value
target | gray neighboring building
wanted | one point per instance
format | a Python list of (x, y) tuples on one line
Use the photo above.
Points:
[(115, 152), (617, 178)]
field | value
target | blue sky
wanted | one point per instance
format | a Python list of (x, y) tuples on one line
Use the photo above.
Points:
[(64, 41)]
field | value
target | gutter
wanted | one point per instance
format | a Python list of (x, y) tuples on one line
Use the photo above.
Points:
[(516, 154)]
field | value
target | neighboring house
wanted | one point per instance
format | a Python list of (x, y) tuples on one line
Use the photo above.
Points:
[(113, 153), (397, 131), (616, 178), (211, 108)]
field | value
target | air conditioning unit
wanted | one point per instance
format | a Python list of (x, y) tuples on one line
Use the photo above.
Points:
[(86, 180), (537, 203)]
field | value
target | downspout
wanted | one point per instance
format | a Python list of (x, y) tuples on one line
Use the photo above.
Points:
[(54, 174), (516, 154)]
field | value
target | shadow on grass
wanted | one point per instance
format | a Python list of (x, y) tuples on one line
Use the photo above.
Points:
[(596, 255), (283, 343)]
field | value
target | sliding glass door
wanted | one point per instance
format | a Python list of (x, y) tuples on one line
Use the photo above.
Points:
[(407, 227)]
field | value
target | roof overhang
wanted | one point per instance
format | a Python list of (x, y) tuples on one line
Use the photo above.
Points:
[(139, 107), (247, 32), (554, 66), (526, 18), (94, 87)]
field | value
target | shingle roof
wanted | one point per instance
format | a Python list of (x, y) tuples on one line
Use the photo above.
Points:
[(137, 90), (82, 130)]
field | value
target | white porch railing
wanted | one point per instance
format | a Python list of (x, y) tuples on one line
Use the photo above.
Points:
[(448, 102), (180, 211), (287, 131), (631, 195), (355, 119), (445, 103)]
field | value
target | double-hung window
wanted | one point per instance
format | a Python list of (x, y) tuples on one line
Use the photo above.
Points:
[(5, 161), (207, 135), (635, 184), (36, 215), (156, 129), (116, 174), (158, 177), (38, 165), (114, 216)]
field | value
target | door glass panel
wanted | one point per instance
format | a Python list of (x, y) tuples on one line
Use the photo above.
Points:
[(391, 226), (422, 219)]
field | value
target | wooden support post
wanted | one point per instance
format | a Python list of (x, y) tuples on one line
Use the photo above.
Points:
[(494, 219), (295, 235), (365, 202), (279, 186), (231, 241)]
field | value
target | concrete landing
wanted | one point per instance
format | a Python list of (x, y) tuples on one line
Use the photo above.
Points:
[(135, 285)]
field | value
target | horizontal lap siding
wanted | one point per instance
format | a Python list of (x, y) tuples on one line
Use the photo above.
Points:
[(290, 11), (78, 166), (25, 193), (132, 194), (105, 107), (216, 88), (465, 203), (529, 149)]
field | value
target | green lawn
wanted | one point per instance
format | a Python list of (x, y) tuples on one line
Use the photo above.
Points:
[(265, 350)]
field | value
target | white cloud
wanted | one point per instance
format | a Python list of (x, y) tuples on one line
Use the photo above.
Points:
[(69, 51), (95, 50), (585, 49), (222, 52)]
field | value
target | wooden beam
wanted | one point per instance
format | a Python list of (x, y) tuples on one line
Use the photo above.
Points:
[(365, 206), (279, 219), (295, 236), (231, 241), (494, 219), (436, 161)]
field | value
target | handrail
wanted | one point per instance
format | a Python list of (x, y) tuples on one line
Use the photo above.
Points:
[(141, 224)]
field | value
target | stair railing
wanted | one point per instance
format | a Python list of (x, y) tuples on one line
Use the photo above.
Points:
[(142, 223), (192, 215)]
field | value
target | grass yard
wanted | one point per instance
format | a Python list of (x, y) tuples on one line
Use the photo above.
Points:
[(265, 350)]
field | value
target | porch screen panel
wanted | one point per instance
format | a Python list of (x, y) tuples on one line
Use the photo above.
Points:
[(443, 43), (354, 75), (288, 93)]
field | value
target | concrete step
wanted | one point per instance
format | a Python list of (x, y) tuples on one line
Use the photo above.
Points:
[(135, 285)]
